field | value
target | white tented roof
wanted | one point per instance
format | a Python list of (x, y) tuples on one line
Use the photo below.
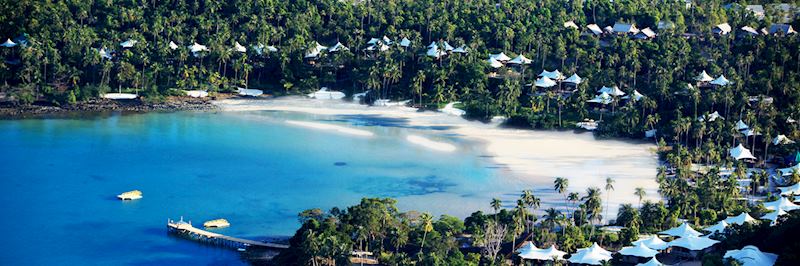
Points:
[(104, 54), (543, 254), (740, 125), (386, 40), (750, 30), (602, 98), (693, 243), (773, 216), (128, 44), (751, 256), (574, 79), (373, 41), (789, 171), (544, 82), (338, 47), (718, 227), (652, 242), (500, 57), (711, 117), (461, 49), (593, 255), (520, 60), (172, 45), (704, 77), (435, 52), (433, 44), (494, 63), (721, 81), (793, 189), (447, 46), (740, 152), (782, 203), (638, 250), (554, 75), (740, 219), (781, 139), (405, 42), (613, 91), (239, 47), (271, 48), (651, 262), (8, 43), (194, 48), (594, 29), (722, 29), (683, 230), (527, 247), (570, 24)]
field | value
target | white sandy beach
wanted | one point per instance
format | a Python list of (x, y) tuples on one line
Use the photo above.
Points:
[(532, 158)]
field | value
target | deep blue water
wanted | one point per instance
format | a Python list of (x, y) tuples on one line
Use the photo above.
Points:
[(60, 177)]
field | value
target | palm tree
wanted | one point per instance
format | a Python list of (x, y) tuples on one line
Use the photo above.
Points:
[(427, 226), (560, 185), (496, 204), (530, 200), (573, 197), (640, 193), (609, 187), (592, 205)]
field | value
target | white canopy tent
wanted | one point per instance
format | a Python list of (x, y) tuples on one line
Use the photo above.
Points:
[(543, 254), (613, 91), (635, 97), (683, 230), (653, 242), (594, 29), (721, 81), (651, 262), (196, 48), (740, 125), (544, 82), (172, 45), (461, 49), (570, 24), (447, 46), (338, 47), (574, 79), (405, 42), (527, 247), (788, 171), (386, 40), (740, 219), (554, 75), (793, 189), (751, 256), (433, 44), (494, 63), (104, 54), (781, 140), (129, 43), (500, 57), (773, 216), (693, 243), (435, 52), (520, 60), (373, 41), (782, 204), (704, 77), (8, 43), (718, 227), (740, 152), (602, 98), (239, 47), (638, 250), (593, 255), (711, 117)]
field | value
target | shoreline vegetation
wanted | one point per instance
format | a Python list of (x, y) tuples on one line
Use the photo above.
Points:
[(99, 105), (713, 83)]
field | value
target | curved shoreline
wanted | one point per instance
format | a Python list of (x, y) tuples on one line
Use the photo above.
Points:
[(530, 158)]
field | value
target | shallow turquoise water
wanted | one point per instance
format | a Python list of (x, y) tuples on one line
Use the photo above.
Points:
[(60, 177)]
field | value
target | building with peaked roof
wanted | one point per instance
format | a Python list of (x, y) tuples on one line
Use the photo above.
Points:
[(625, 28), (751, 256), (520, 60), (741, 153), (594, 29), (645, 34), (781, 29), (722, 29)]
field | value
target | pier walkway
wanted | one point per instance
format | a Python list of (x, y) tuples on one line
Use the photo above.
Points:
[(186, 229)]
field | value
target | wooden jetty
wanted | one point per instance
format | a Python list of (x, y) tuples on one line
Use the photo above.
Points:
[(186, 229)]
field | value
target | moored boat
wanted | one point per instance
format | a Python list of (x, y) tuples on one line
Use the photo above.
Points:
[(130, 195)]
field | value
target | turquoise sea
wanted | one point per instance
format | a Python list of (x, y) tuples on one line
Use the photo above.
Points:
[(60, 177)]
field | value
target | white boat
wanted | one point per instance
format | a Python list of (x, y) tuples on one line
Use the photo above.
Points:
[(451, 110), (120, 96), (130, 195), (387, 102), (587, 124), (249, 92), (217, 223), (325, 94), (197, 94)]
